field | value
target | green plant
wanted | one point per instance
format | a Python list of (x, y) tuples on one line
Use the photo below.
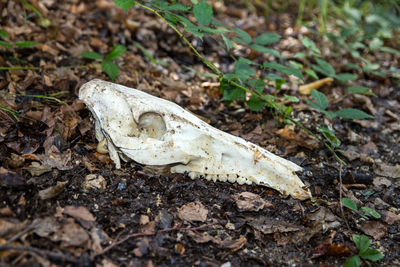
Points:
[(250, 77), (13, 45), (364, 252), (350, 204), (107, 64)]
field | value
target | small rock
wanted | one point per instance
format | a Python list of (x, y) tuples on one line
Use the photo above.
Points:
[(94, 181)]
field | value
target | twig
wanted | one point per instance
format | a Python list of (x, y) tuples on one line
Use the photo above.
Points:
[(340, 197), (116, 243), (18, 235), (43, 253)]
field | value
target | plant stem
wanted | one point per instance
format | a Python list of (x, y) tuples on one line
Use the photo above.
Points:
[(220, 74), (19, 68), (206, 61)]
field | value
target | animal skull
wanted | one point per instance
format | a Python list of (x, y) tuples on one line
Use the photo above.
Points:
[(154, 131)]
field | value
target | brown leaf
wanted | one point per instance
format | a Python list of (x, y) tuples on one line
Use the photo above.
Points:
[(10, 179), (247, 201), (234, 244), (194, 211), (94, 181), (81, 213), (374, 229), (6, 212), (378, 181), (15, 160), (71, 235), (389, 170), (36, 169), (202, 237), (390, 217), (52, 191), (267, 226), (10, 227), (46, 226)]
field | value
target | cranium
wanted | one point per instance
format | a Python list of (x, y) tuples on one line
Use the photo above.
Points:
[(154, 131)]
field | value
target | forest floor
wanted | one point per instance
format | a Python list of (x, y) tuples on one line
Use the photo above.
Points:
[(63, 203)]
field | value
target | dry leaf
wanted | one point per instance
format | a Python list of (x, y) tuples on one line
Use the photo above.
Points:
[(247, 201), (36, 169), (46, 226), (194, 211), (81, 213), (94, 181), (389, 170), (52, 191), (10, 179), (374, 229)]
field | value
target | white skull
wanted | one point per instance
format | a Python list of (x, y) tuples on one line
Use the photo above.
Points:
[(154, 131)]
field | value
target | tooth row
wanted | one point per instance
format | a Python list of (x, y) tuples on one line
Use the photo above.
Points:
[(221, 177)]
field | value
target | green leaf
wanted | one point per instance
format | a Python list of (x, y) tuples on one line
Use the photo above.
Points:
[(329, 135), (110, 68), (362, 242), (360, 90), (371, 212), (258, 85), (245, 38), (352, 113), (267, 38), (324, 67), (116, 52), (372, 255), (291, 98), (299, 55), (125, 4), (228, 43), (5, 44), (375, 43), (309, 44), (344, 77), (311, 73), (231, 92), (4, 34), (255, 103), (265, 50), (353, 261), (150, 56), (243, 69), (26, 43), (203, 12), (390, 50), (350, 204), (179, 7), (284, 69), (91, 55), (213, 30), (320, 98)]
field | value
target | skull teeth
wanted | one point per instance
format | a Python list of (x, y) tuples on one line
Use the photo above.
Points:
[(233, 178)]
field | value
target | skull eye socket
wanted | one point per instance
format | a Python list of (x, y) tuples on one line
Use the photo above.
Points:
[(152, 124)]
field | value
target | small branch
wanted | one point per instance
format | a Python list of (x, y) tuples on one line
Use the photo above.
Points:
[(43, 253), (116, 243)]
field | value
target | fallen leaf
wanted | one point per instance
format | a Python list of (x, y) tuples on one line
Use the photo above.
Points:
[(94, 181), (378, 181), (52, 191), (194, 211), (6, 212), (71, 235), (36, 169), (81, 213), (267, 226), (9, 227), (390, 217), (10, 179), (142, 247), (180, 249), (234, 244), (202, 237), (15, 160), (388, 170), (46, 226), (247, 201), (374, 229)]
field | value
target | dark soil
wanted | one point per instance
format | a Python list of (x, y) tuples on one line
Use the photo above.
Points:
[(135, 217)]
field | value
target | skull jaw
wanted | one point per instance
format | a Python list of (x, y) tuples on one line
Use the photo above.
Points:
[(193, 146)]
